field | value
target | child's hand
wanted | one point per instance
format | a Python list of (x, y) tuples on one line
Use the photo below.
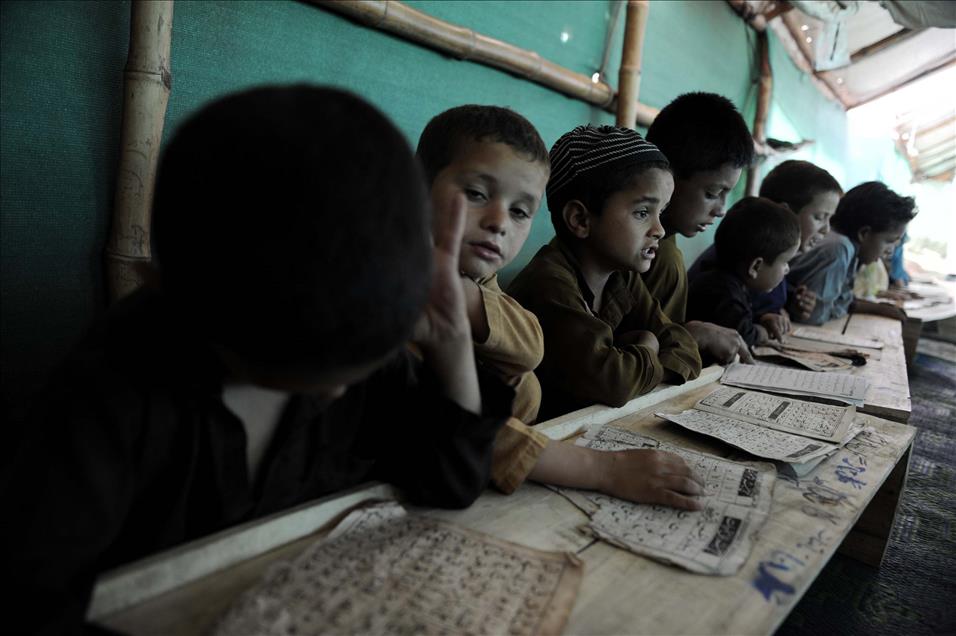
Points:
[(721, 343), (443, 332), (649, 476), (444, 318), (777, 325), (803, 302), (640, 338)]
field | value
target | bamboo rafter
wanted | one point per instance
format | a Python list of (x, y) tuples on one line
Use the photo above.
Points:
[(463, 43), (147, 82), (629, 77)]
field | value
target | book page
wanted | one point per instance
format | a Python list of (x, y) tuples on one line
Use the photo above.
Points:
[(822, 421), (841, 386), (716, 540), (382, 571), (825, 335), (755, 439)]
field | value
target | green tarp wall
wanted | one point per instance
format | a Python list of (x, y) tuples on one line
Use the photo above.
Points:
[(61, 103)]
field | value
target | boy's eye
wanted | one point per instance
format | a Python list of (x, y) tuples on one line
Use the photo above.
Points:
[(520, 213), (641, 214), (474, 195), (712, 195)]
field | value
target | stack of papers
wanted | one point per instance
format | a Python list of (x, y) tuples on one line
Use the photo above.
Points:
[(782, 429), (716, 540), (846, 388)]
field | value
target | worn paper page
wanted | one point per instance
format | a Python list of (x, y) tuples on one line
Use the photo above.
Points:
[(840, 386), (822, 421), (715, 540), (382, 571), (812, 360), (755, 439), (825, 335)]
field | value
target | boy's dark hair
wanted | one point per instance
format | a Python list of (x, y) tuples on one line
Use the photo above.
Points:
[(445, 133), (292, 229), (755, 227), (796, 183), (871, 204), (591, 163), (701, 131)]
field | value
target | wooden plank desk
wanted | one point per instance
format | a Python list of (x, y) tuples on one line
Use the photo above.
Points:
[(889, 393), (849, 501)]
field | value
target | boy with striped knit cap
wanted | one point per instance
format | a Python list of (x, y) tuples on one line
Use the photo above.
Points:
[(606, 339)]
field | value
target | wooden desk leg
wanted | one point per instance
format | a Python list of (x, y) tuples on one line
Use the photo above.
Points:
[(868, 538), (912, 328)]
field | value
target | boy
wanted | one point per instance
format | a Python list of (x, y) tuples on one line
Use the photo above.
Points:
[(269, 366), (496, 158), (812, 193), (869, 221), (707, 144), (606, 339), (753, 245)]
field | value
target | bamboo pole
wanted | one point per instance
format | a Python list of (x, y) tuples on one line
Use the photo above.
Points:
[(147, 82), (629, 76), (764, 90), (463, 43)]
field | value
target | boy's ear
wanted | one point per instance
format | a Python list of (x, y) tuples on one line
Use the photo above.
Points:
[(754, 268), (577, 218), (862, 233)]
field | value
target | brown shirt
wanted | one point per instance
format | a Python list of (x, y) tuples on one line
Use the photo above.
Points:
[(514, 347), (582, 364), (666, 280)]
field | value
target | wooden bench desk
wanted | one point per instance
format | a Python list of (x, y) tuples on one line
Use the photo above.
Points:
[(846, 503), (889, 393)]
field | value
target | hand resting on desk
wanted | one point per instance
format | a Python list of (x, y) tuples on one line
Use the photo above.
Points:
[(639, 475)]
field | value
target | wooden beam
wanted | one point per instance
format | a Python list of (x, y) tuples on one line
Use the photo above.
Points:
[(900, 36), (629, 76), (465, 44), (764, 91), (147, 81)]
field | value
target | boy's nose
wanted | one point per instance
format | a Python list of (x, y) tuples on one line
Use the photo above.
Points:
[(494, 218), (657, 230)]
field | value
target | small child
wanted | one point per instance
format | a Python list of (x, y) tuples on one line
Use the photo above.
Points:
[(812, 193), (753, 245), (496, 158), (268, 367), (707, 144), (869, 221), (606, 339)]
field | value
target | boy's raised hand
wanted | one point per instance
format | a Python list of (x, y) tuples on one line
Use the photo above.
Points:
[(443, 332), (444, 318)]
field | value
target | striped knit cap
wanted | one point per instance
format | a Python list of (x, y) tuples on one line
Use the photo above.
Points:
[(580, 153)]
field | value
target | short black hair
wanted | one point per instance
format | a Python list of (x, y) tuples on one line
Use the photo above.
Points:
[(444, 134), (701, 131), (755, 227), (796, 182), (872, 204), (595, 189), (292, 228)]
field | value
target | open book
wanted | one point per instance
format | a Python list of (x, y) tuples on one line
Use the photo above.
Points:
[(783, 429)]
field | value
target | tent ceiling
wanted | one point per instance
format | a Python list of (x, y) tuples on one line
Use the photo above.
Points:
[(886, 57)]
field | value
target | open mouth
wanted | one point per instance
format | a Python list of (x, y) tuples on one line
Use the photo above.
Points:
[(649, 253)]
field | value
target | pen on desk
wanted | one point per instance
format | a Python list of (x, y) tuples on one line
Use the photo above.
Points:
[(847, 323)]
